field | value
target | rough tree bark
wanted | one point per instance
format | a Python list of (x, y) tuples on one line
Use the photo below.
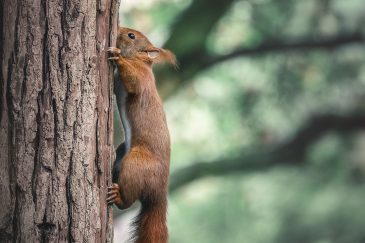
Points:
[(55, 120)]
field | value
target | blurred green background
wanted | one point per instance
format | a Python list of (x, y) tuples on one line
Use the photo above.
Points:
[(266, 117)]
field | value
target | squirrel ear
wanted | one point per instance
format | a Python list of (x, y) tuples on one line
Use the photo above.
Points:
[(153, 53)]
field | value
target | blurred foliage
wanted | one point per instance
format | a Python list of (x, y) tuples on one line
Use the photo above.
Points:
[(252, 102)]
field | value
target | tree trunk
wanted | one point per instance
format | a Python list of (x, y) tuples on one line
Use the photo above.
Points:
[(55, 120)]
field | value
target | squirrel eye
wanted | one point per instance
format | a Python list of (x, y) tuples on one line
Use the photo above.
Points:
[(131, 35)]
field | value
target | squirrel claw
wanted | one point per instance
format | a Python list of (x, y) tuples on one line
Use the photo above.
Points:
[(114, 50), (111, 199), (113, 194)]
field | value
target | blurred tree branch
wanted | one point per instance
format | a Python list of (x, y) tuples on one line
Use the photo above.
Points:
[(274, 46), (194, 61), (188, 38), (191, 29), (290, 152)]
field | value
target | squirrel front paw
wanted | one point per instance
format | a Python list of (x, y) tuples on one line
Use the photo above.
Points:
[(115, 52)]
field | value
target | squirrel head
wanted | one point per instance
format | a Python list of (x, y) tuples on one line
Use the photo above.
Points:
[(133, 43)]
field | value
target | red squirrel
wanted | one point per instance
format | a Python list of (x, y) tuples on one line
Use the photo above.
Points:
[(141, 169)]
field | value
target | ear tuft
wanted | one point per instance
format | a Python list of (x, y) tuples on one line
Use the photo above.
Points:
[(168, 56)]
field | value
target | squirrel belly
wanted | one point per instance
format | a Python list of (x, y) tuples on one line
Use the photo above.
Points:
[(123, 148)]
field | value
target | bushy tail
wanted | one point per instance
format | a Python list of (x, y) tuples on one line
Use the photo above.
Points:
[(151, 223)]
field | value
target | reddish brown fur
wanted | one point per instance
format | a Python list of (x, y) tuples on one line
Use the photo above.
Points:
[(145, 167)]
